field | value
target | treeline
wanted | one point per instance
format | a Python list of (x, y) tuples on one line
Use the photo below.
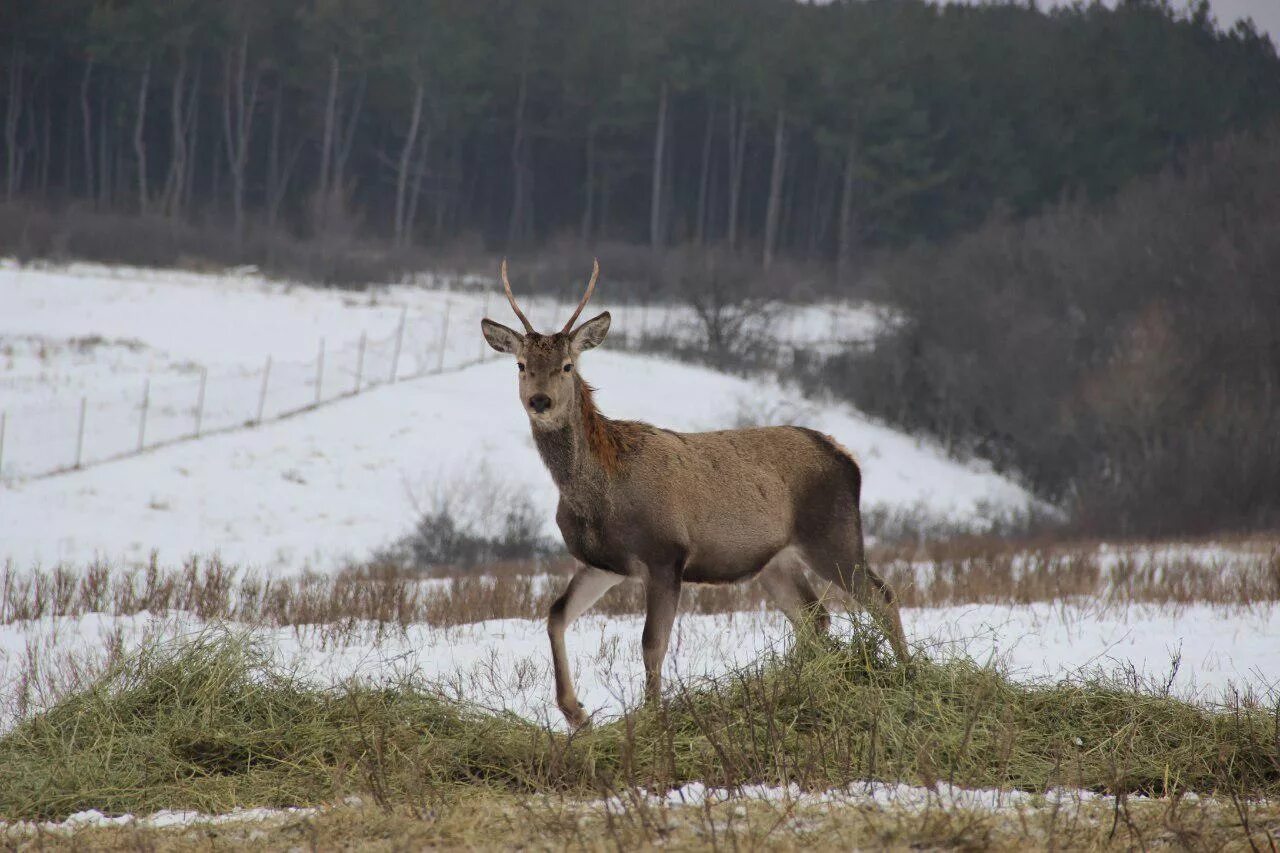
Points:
[(767, 127), (1124, 358)]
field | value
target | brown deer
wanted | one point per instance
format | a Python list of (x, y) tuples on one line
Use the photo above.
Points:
[(668, 508)]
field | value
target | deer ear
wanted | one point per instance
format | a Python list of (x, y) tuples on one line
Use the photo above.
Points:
[(591, 333), (500, 337)]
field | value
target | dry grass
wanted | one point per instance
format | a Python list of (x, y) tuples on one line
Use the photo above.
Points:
[(970, 572), (467, 819), (210, 725)]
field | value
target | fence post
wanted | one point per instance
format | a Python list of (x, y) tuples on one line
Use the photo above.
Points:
[(395, 354), (142, 420), (4, 422), (84, 404), (262, 395), (320, 373), (484, 312), (204, 378), (444, 337), (359, 364)]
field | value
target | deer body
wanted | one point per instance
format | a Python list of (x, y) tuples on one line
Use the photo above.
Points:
[(638, 501)]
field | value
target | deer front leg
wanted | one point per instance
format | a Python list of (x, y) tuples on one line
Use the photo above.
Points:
[(662, 597), (584, 590)]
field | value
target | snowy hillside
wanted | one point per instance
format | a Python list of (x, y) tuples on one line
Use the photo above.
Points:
[(343, 479)]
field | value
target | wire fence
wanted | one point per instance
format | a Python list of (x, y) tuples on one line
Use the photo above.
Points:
[(65, 435), (49, 437)]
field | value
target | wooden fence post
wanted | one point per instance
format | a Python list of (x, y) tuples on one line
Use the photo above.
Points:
[(444, 337), (142, 421), (395, 354), (320, 373), (262, 395), (360, 363), (84, 404), (204, 378)]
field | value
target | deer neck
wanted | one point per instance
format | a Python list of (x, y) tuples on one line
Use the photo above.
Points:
[(572, 453)]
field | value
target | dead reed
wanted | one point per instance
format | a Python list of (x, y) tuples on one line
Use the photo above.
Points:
[(982, 572)]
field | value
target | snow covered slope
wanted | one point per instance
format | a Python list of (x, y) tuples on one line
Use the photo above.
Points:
[(344, 479)]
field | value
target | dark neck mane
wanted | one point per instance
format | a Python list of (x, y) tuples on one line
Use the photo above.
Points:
[(605, 441)]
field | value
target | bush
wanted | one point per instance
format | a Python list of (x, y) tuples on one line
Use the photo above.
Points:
[(1124, 359)]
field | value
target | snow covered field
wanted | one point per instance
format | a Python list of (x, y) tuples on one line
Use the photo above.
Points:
[(342, 480)]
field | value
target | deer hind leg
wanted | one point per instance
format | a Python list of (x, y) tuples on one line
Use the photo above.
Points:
[(844, 564), (662, 598), (784, 580), (585, 589)]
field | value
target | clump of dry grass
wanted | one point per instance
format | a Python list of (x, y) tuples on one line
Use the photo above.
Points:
[(210, 725)]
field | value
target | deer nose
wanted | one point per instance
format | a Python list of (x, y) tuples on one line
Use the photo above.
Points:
[(539, 403)]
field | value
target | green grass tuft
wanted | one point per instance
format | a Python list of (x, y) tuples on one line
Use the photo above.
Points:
[(209, 725)]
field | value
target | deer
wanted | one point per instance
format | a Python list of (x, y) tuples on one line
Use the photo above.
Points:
[(670, 508)]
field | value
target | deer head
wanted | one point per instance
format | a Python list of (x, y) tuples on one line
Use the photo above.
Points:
[(547, 364)]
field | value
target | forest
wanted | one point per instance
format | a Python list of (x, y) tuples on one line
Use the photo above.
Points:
[(1072, 211), (767, 128)]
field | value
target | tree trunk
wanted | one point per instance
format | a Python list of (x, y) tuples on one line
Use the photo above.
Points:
[(737, 159), (139, 139), (588, 206), (239, 103), (278, 173), (104, 152), (46, 143), (173, 183), (774, 212), (69, 148), (406, 155), (844, 244), (13, 115), (86, 117), (516, 224), (704, 179), (659, 150), (326, 144), (191, 139), (419, 171), (343, 150), (273, 155)]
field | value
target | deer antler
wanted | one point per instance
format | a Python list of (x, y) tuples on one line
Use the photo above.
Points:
[(506, 285), (591, 287)]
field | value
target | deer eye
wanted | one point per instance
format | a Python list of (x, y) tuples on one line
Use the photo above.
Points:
[(568, 367), (520, 364)]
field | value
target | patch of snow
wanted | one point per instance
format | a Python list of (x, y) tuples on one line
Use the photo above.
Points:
[(164, 819), (505, 664)]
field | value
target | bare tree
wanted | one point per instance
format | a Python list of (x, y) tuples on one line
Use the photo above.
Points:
[(171, 195), (403, 167), (737, 159), (86, 118), (239, 103), (12, 117), (774, 213), (659, 152), (704, 177), (139, 136), (845, 242)]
